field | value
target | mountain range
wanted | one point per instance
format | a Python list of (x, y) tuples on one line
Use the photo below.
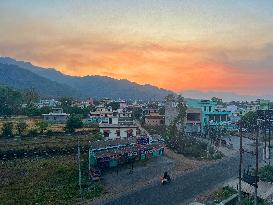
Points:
[(49, 82)]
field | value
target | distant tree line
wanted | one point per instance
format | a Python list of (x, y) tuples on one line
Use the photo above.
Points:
[(14, 102), (22, 129)]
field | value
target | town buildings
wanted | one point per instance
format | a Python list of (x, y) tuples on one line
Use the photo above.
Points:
[(113, 124), (153, 117), (102, 115), (48, 103), (199, 115)]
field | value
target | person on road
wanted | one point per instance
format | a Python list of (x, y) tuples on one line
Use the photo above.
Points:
[(166, 178)]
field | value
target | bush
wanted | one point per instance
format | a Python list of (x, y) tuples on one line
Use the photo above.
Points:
[(223, 194), (49, 133), (73, 122), (21, 127), (249, 200), (33, 133), (7, 129), (42, 125), (189, 147), (266, 173)]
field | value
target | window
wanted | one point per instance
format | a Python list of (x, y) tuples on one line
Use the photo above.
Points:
[(106, 133), (130, 133)]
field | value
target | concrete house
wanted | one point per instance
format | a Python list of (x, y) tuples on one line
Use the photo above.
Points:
[(102, 115), (111, 131), (56, 116)]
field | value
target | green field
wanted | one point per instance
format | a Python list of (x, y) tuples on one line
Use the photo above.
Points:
[(45, 180)]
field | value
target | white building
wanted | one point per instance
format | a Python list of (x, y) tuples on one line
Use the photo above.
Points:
[(102, 115), (48, 103), (111, 131), (56, 116)]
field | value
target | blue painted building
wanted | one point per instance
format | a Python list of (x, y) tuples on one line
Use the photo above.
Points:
[(210, 115)]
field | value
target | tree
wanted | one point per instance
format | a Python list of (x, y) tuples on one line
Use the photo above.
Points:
[(7, 129), (114, 105), (73, 122), (249, 120), (32, 110), (42, 125), (78, 110), (66, 101), (176, 129), (218, 101), (170, 97), (10, 101), (137, 113), (21, 127), (162, 110), (180, 118), (31, 96), (98, 135)]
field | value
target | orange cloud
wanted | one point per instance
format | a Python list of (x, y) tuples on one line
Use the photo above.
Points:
[(174, 66)]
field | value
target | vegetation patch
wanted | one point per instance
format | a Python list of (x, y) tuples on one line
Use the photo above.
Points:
[(45, 181), (222, 194), (266, 173)]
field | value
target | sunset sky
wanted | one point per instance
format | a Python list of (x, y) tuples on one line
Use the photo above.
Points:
[(223, 45)]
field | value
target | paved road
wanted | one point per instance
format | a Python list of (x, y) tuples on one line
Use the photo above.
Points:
[(184, 187)]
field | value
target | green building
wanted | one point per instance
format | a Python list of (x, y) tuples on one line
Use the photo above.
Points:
[(211, 116)]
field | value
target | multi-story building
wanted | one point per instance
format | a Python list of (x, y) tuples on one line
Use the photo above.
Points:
[(125, 118), (102, 115), (193, 120), (117, 124), (210, 115), (118, 131), (200, 114)]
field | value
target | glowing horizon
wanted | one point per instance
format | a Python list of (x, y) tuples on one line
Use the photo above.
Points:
[(176, 45)]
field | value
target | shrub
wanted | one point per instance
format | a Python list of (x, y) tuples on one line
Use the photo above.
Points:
[(49, 133), (266, 173), (33, 133), (42, 125), (73, 122), (7, 129), (223, 194), (21, 127)]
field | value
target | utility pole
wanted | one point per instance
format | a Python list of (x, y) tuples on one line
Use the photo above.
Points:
[(257, 166), (265, 124), (240, 164), (269, 133), (209, 143), (79, 166)]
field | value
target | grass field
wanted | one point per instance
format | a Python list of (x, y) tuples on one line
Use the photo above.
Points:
[(44, 142), (45, 181)]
